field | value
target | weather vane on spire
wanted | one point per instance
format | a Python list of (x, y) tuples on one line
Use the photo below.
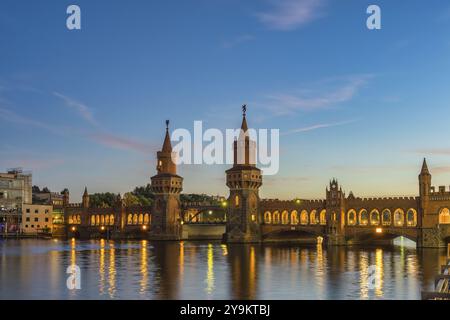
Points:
[(167, 124), (244, 109)]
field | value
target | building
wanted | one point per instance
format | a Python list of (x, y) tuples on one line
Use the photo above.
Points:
[(37, 218), (15, 190)]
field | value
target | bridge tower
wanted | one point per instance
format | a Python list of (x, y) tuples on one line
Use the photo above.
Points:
[(167, 185), (429, 233), (85, 199), (244, 180), (335, 205)]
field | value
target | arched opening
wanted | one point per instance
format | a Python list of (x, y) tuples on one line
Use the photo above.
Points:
[(141, 219), (111, 219), (399, 218), (276, 217), (363, 217), (70, 219), (313, 217), (78, 219), (323, 217), (92, 220), (304, 217), (97, 220), (374, 218), (267, 217), (444, 216), (386, 217), (236, 201), (351, 217), (285, 217), (130, 219), (102, 220), (146, 220), (411, 218), (107, 219), (294, 217), (135, 218)]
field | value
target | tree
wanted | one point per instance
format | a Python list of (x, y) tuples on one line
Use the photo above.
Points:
[(129, 200), (102, 200)]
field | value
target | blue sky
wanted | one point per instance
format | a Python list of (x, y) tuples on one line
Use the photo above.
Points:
[(88, 107)]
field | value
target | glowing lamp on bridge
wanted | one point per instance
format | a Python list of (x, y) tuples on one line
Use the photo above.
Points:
[(182, 222), (298, 201), (73, 228), (379, 230), (102, 228), (224, 203), (210, 212), (144, 228)]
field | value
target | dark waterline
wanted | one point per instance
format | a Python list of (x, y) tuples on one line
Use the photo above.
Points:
[(36, 269)]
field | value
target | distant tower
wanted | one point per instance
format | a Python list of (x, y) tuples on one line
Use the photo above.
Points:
[(167, 186), (424, 186), (85, 198), (335, 214), (66, 198), (244, 180)]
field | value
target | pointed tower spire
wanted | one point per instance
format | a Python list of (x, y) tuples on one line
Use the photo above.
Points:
[(167, 146), (85, 199), (424, 167), (244, 126)]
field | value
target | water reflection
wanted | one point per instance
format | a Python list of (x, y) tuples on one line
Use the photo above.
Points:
[(35, 269)]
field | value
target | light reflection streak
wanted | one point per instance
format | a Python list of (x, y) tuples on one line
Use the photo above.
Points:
[(144, 267), (210, 270)]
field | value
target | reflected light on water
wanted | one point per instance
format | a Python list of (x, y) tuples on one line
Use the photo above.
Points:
[(210, 270), (102, 267), (364, 275), (112, 271), (380, 272), (144, 267)]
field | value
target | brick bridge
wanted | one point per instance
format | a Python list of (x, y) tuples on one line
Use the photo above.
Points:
[(337, 219)]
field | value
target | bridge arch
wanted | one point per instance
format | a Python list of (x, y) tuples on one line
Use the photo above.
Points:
[(285, 217), (351, 217), (304, 217), (411, 218), (323, 217), (399, 218), (294, 217), (374, 217), (444, 216), (386, 217), (276, 217), (363, 217), (267, 217), (313, 217)]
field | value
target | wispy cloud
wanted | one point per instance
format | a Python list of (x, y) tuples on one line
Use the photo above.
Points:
[(97, 134), (329, 93), (291, 14), (228, 44), (318, 126), (84, 111), (12, 117), (122, 143), (432, 151)]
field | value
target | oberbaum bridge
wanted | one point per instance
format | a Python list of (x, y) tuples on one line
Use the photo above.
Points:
[(245, 218)]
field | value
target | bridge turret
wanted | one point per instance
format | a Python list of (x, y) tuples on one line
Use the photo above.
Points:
[(244, 180), (167, 186), (335, 204)]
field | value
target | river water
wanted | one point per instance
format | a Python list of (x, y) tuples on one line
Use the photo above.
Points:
[(36, 269)]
